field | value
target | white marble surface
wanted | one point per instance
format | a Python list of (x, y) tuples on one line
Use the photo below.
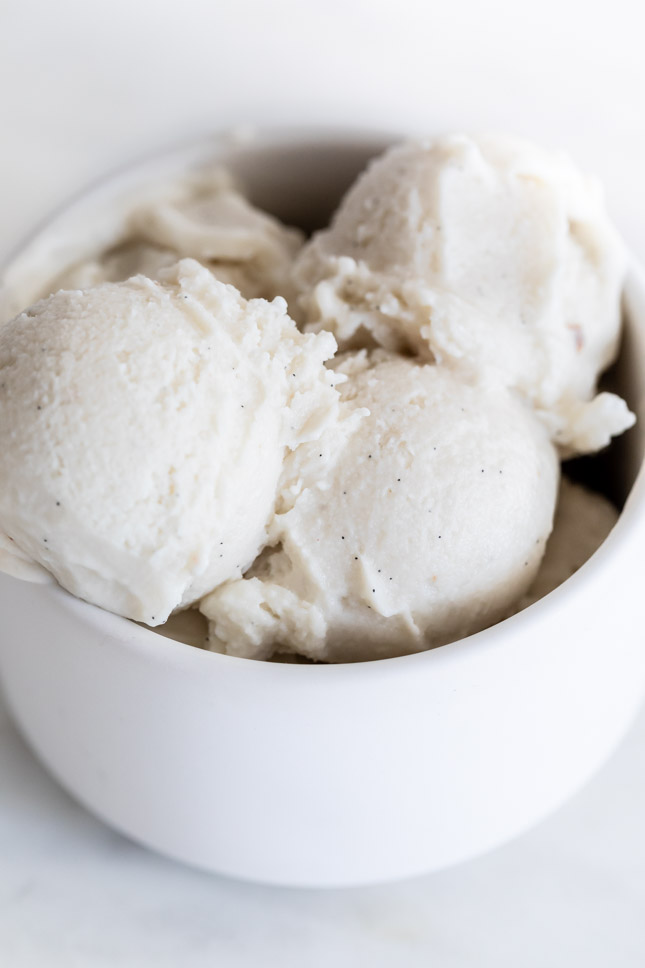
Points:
[(569, 894), (86, 86)]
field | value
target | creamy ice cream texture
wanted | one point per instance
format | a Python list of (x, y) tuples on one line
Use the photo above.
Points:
[(205, 217), (143, 433), (167, 440), (422, 525), (583, 519), (488, 255)]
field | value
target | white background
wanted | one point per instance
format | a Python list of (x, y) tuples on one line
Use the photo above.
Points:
[(87, 85)]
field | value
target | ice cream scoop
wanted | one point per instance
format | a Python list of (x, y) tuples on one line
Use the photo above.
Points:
[(486, 254), (143, 431), (204, 216), (421, 525)]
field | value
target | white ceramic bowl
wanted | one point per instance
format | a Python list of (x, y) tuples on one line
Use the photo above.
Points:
[(341, 774)]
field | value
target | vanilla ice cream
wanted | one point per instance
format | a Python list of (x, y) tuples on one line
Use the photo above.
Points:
[(206, 217), (487, 254), (144, 426), (424, 524), (169, 438)]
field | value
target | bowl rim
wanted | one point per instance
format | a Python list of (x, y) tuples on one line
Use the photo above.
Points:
[(237, 136), (145, 641)]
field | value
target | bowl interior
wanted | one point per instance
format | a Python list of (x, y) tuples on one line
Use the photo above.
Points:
[(614, 470), (302, 183)]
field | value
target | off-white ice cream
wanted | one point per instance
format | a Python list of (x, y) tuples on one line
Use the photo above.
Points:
[(144, 426), (486, 254), (583, 519), (165, 441), (205, 217), (422, 525)]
